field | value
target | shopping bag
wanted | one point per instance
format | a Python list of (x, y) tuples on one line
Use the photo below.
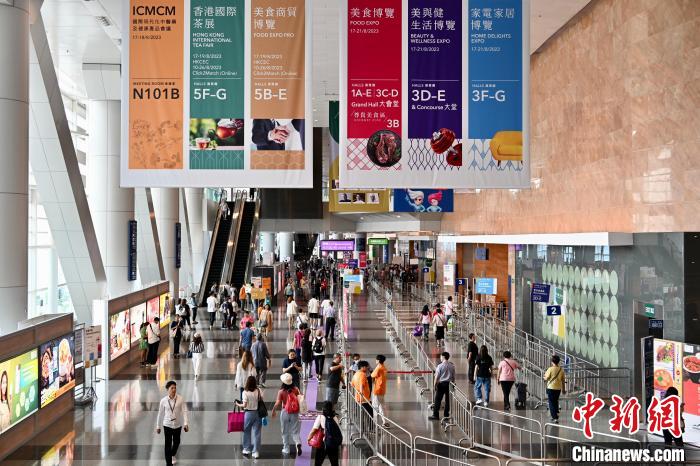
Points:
[(317, 440), (235, 421)]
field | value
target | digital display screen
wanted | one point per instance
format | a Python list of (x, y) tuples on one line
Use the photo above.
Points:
[(119, 334), (19, 390), (57, 368)]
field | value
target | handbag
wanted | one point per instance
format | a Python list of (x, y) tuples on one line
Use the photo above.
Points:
[(316, 441), (235, 421), (418, 331), (262, 409)]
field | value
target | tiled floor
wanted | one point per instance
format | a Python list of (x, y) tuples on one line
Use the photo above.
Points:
[(120, 430)]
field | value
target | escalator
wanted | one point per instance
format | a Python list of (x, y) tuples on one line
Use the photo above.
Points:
[(216, 257), (242, 256)]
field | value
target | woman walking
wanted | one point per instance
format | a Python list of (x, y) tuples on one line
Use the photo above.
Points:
[(245, 369), (332, 436), (555, 387), (252, 424), (197, 350), (506, 377), (288, 403), (425, 321), (439, 321), (265, 320), (484, 363), (291, 312), (307, 354), (318, 346)]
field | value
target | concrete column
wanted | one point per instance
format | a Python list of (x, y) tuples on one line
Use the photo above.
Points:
[(286, 244), (14, 176), (111, 206), (167, 209), (195, 199), (267, 242)]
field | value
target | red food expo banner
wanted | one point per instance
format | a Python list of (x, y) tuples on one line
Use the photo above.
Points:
[(434, 93)]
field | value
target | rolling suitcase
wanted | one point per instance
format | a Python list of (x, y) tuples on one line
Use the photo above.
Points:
[(520, 395)]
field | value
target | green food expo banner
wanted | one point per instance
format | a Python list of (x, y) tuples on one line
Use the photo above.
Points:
[(218, 94)]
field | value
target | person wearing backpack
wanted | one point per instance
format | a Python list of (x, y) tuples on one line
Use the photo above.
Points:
[(288, 403), (332, 436), (506, 377), (555, 387), (319, 350)]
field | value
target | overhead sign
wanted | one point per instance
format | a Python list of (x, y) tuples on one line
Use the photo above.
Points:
[(481, 254), (353, 263), (461, 282), (539, 293), (423, 200), (486, 286), (337, 245), (405, 119), (649, 310), (554, 310), (448, 275), (178, 245), (363, 260), (133, 246), (426, 269), (378, 241), (217, 89)]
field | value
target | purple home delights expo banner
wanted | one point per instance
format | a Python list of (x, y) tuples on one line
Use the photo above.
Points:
[(434, 75), (337, 245)]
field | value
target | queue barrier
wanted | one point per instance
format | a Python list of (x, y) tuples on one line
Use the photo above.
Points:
[(519, 437)]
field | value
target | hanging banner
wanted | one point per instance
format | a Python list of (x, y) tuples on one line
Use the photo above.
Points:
[(226, 96), (440, 139), (423, 200), (349, 200)]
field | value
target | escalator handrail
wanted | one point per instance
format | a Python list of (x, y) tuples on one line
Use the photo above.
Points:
[(230, 258)]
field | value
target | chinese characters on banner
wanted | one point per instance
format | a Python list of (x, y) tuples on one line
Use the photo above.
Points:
[(216, 84), (199, 113), (155, 86), (404, 122)]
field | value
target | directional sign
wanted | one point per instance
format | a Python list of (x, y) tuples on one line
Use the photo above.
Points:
[(352, 263), (461, 282), (426, 269), (540, 293), (554, 310)]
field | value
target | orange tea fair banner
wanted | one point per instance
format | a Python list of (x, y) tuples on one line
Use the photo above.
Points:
[(156, 43)]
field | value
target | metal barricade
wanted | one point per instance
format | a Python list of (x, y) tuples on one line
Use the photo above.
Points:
[(461, 410), (435, 453), (507, 433)]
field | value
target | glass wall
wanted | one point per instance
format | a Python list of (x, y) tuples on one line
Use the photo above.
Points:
[(602, 288)]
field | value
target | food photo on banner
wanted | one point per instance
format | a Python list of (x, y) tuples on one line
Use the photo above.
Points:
[(423, 200), (57, 368), (119, 335), (241, 67), (436, 135), (19, 388), (346, 199)]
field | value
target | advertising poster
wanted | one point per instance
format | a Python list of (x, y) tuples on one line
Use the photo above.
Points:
[(57, 368), (279, 134), (61, 453), (93, 346), (434, 94), (344, 199), (668, 372), (154, 84), (217, 72), (153, 309), (119, 336), (448, 275), (421, 200), (19, 390), (217, 89), (691, 392), (137, 316), (163, 309)]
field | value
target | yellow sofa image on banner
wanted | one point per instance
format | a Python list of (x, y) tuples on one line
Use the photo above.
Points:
[(507, 145)]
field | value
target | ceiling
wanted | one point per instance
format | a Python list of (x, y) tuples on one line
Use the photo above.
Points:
[(77, 35)]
